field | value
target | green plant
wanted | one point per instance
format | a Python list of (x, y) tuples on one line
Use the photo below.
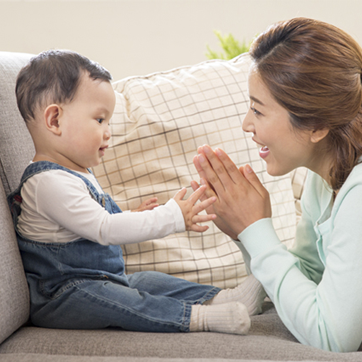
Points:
[(230, 46)]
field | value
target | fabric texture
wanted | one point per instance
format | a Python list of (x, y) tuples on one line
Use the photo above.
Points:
[(15, 151), (321, 273), (78, 215), (54, 358), (268, 339), (16, 146), (299, 177), (14, 294), (159, 122), (21, 357)]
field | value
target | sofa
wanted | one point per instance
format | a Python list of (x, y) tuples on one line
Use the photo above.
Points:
[(159, 121)]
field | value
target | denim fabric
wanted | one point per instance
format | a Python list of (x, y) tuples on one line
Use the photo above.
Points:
[(82, 284)]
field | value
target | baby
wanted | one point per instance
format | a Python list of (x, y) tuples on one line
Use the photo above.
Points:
[(69, 231)]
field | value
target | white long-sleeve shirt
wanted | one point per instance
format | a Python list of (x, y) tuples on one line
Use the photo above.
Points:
[(58, 208)]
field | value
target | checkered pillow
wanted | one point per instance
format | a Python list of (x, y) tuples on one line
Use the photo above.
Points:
[(159, 122)]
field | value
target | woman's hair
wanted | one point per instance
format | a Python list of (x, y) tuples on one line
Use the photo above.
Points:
[(53, 77), (313, 70)]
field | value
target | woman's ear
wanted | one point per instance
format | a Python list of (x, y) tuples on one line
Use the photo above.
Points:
[(51, 116), (319, 135)]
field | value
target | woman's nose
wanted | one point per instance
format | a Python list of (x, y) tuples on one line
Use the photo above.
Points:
[(248, 125)]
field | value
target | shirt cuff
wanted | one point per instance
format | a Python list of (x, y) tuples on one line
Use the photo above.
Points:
[(177, 212), (259, 237)]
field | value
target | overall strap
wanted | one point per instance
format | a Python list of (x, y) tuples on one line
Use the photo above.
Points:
[(42, 166), (14, 199), (50, 265)]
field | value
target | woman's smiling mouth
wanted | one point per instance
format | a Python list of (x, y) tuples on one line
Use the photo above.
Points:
[(264, 152)]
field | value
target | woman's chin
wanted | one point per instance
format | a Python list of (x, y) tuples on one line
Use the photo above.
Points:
[(276, 171)]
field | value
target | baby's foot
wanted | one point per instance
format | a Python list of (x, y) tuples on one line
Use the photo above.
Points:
[(230, 318)]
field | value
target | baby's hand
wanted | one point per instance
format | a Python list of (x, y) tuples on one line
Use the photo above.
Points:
[(190, 210), (149, 204)]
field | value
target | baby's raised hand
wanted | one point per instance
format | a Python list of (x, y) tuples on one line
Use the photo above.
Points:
[(190, 211), (149, 204)]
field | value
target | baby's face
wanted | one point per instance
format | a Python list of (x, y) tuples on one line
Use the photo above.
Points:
[(85, 123)]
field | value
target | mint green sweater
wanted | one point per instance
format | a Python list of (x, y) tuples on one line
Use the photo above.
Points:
[(316, 286)]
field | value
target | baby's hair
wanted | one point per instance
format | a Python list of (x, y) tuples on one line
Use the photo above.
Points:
[(53, 77)]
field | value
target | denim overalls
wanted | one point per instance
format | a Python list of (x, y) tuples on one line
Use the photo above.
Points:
[(82, 284)]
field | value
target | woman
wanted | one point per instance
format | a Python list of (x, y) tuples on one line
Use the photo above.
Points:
[(305, 93)]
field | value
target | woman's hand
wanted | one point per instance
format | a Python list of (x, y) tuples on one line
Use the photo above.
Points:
[(241, 198), (149, 204)]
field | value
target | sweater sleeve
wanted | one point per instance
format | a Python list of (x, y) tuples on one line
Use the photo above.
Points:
[(316, 287), (72, 207)]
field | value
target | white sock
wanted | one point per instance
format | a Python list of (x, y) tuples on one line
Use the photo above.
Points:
[(250, 293), (230, 318)]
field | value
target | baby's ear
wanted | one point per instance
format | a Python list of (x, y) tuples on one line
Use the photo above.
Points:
[(51, 118)]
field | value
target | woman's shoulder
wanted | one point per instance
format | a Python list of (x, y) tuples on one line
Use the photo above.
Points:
[(349, 198), (316, 187), (356, 174), (354, 180)]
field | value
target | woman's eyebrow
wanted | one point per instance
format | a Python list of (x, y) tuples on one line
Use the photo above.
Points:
[(256, 100)]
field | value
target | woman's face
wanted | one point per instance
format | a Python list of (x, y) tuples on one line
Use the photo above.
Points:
[(283, 147)]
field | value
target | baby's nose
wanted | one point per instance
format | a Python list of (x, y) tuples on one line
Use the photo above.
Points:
[(107, 134)]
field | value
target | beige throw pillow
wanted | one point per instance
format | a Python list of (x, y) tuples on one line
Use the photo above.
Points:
[(159, 122)]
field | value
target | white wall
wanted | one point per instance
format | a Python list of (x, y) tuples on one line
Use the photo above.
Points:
[(131, 37)]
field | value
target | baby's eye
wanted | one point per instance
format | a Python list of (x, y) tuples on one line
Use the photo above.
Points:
[(100, 120)]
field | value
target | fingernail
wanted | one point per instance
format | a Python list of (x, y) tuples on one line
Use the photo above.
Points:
[(201, 158), (248, 169), (218, 151), (202, 182), (206, 149)]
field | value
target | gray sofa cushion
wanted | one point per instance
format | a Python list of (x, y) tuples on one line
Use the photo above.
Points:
[(16, 150), (23, 357), (12, 126), (14, 295), (268, 340)]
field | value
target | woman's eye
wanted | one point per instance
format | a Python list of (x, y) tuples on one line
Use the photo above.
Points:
[(255, 111)]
